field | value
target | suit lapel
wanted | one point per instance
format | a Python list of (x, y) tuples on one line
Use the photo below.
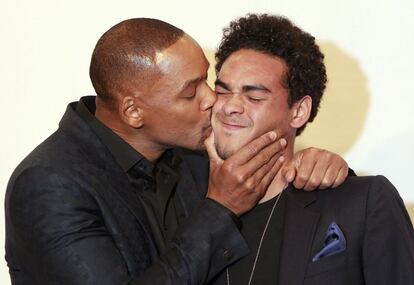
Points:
[(299, 230), (193, 183), (122, 213), (104, 172), (120, 183), (166, 180)]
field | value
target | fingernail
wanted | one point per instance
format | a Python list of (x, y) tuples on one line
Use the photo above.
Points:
[(273, 135), (283, 142)]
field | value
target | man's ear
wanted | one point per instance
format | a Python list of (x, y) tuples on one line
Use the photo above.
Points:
[(301, 112), (130, 112)]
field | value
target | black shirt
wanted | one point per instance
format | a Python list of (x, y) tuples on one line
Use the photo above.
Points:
[(267, 266), (154, 184)]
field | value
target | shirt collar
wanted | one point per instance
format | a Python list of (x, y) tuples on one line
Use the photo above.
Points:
[(125, 155)]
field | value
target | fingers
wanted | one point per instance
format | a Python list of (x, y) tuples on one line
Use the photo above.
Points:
[(317, 176), (304, 168), (274, 150), (262, 178), (320, 169), (335, 174), (342, 175), (211, 150), (241, 180), (270, 175), (250, 150), (289, 169), (332, 173)]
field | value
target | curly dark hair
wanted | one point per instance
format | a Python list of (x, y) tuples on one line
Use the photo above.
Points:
[(277, 36)]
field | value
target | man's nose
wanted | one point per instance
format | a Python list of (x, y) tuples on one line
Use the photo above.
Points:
[(233, 104), (208, 98)]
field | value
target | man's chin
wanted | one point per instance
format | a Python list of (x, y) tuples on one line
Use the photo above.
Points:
[(224, 153), (227, 148)]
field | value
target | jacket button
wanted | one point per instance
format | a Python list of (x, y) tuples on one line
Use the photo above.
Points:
[(227, 254)]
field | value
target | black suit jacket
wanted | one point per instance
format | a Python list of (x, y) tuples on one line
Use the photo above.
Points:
[(72, 218), (375, 223)]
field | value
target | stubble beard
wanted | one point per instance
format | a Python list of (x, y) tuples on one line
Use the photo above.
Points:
[(222, 151)]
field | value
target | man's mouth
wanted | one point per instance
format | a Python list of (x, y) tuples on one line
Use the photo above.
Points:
[(229, 125)]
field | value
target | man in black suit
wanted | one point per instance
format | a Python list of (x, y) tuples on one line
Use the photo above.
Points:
[(105, 199), (271, 76)]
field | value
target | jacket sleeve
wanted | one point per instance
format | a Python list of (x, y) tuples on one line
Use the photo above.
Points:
[(55, 232), (388, 245)]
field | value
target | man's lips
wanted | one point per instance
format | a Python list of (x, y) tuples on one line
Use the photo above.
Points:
[(232, 125)]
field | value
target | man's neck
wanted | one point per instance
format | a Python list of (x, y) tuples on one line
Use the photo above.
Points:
[(152, 152), (279, 183), (277, 186)]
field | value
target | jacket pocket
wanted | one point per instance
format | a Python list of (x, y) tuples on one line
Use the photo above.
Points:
[(333, 262)]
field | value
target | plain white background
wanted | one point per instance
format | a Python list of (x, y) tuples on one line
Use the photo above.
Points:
[(46, 46)]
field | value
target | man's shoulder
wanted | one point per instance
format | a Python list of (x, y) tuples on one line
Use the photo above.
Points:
[(63, 151), (54, 157), (363, 186), (357, 185), (72, 136), (350, 204), (363, 181), (47, 154), (353, 193), (59, 149)]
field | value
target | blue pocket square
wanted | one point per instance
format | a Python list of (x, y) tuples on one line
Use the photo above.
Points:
[(334, 243)]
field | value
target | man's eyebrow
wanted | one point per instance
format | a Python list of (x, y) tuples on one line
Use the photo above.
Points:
[(255, 87), (220, 83), (245, 88)]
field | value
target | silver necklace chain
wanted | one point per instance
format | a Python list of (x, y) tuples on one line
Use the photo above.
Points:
[(260, 244)]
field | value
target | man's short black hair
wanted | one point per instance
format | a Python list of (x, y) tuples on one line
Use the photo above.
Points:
[(277, 36), (127, 52)]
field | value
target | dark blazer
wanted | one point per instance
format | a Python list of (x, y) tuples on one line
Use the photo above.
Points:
[(375, 223), (72, 218)]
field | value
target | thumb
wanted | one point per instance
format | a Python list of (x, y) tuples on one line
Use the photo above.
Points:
[(211, 150), (289, 171), (291, 168)]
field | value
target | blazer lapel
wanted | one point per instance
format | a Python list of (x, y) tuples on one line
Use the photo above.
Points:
[(116, 196), (193, 183), (299, 230), (104, 171), (127, 194)]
